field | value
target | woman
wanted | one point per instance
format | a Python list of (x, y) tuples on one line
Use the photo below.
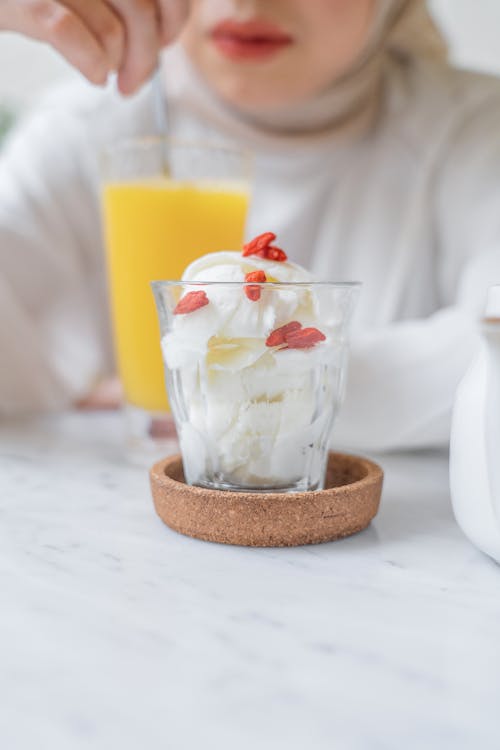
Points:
[(375, 159)]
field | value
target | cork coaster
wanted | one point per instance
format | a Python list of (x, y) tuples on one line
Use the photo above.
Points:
[(347, 505)]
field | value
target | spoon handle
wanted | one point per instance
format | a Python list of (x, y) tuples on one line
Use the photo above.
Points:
[(161, 116)]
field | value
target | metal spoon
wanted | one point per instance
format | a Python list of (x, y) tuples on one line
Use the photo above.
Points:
[(161, 116)]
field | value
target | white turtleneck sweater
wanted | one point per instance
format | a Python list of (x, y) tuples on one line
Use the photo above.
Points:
[(411, 209)]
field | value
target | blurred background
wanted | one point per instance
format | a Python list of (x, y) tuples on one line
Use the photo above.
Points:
[(471, 26)]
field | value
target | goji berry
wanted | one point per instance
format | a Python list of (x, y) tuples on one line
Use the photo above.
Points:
[(275, 253), (258, 243), (278, 336), (261, 246), (304, 338), (190, 302), (253, 292)]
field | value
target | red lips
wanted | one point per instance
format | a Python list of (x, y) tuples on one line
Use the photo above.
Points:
[(249, 40)]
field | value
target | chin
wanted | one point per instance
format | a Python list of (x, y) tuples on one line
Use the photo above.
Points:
[(255, 92), (249, 98), (248, 87)]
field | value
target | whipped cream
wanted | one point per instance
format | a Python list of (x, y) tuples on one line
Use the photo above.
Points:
[(250, 414)]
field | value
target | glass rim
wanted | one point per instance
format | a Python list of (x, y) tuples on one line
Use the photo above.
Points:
[(263, 284), (145, 141)]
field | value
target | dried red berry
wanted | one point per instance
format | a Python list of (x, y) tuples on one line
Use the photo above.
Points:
[(262, 247), (278, 336), (304, 338), (190, 302), (275, 253), (258, 243), (253, 292)]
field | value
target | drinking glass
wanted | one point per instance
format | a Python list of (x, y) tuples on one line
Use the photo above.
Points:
[(255, 381), (158, 218)]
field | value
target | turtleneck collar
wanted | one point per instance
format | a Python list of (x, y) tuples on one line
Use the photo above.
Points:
[(304, 124)]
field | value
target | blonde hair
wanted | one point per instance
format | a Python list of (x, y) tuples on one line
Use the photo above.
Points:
[(409, 30)]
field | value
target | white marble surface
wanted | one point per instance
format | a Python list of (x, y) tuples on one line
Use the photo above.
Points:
[(118, 634)]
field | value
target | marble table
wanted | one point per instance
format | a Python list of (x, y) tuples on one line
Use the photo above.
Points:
[(118, 634)]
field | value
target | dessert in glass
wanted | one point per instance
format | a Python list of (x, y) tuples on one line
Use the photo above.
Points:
[(255, 356)]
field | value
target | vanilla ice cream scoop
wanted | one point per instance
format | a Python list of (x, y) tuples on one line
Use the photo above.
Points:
[(254, 374), (233, 266)]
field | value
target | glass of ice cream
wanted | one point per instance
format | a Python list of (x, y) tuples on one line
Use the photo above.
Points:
[(255, 355)]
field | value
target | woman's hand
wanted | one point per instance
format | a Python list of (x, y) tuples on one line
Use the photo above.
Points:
[(101, 36), (105, 394)]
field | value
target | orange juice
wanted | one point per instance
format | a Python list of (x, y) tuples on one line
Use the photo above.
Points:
[(153, 230)]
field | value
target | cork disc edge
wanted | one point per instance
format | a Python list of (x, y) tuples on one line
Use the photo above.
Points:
[(347, 505)]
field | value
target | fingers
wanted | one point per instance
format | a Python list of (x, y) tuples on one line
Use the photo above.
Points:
[(100, 36), (62, 28), (105, 394), (106, 25), (143, 42), (151, 24), (173, 15)]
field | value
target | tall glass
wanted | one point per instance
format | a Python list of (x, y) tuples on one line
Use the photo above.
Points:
[(165, 203), (255, 383)]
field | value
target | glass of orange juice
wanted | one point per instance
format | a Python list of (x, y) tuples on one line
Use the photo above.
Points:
[(165, 203)]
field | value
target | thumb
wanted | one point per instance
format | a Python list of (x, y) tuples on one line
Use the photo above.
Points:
[(174, 14)]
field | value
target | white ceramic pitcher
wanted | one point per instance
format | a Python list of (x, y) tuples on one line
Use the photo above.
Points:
[(475, 440)]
